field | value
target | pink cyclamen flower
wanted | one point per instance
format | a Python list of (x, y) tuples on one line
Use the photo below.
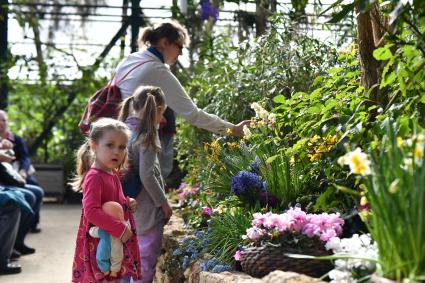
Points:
[(273, 221), (298, 219), (258, 219), (327, 235), (237, 255), (255, 233), (206, 211)]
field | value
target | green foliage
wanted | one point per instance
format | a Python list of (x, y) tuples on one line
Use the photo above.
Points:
[(225, 232)]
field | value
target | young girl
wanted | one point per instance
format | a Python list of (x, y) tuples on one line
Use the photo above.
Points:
[(98, 162), (142, 112)]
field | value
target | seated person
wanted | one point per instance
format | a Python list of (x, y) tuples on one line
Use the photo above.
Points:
[(22, 157), (10, 215), (11, 222)]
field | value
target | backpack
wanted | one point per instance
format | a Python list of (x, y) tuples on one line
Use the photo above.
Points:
[(104, 103)]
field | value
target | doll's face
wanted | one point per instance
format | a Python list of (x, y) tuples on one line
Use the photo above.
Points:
[(113, 209)]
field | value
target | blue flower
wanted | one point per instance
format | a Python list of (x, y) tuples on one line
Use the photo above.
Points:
[(186, 261), (177, 252), (245, 182), (221, 268), (208, 264)]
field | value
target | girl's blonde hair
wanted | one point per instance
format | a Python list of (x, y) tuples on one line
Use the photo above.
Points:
[(85, 156), (145, 101)]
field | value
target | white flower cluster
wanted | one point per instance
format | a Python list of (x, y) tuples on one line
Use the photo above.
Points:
[(359, 249), (263, 116)]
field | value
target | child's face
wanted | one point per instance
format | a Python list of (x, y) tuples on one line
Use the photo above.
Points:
[(110, 150)]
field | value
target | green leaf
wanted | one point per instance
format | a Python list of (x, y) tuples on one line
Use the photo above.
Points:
[(346, 190), (383, 53), (279, 99), (388, 79), (272, 158), (315, 109)]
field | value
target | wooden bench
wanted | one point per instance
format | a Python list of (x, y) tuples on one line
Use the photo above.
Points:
[(51, 179)]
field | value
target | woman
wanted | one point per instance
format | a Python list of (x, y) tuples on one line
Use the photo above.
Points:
[(165, 42)]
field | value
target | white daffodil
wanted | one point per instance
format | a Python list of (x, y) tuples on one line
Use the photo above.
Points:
[(358, 162)]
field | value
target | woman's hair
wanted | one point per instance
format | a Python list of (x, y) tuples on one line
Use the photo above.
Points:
[(144, 101), (85, 157), (171, 30)]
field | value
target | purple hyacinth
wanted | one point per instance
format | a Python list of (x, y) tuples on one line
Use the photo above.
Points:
[(267, 199), (245, 182), (208, 11)]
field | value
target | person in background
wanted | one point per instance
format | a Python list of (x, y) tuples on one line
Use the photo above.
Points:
[(12, 221), (22, 157)]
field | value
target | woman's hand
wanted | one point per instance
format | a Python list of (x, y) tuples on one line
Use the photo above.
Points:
[(132, 204), (237, 129), (167, 211)]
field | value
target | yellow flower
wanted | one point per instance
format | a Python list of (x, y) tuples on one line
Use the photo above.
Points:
[(332, 139), (358, 162), (292, 160), (314, 139), (314, 157), (399, 141), (233, 145), (215, 144), (393, 188), (363, 201), (229, 131), (418, 152)]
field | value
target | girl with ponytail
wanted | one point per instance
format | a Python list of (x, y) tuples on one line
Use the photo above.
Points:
[(99, 160), (142, 112)]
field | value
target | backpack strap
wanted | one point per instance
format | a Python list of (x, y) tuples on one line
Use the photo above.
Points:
[(123, 78)]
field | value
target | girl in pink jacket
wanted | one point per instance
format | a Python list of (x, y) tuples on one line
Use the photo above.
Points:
[(98, 162)]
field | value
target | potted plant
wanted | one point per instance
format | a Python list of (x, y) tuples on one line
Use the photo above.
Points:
[(273, 237)]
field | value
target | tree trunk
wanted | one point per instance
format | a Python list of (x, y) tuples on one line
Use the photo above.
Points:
[(368, 30), (261, 13)]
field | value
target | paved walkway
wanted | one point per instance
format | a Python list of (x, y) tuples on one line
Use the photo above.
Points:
[(52, 261)]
